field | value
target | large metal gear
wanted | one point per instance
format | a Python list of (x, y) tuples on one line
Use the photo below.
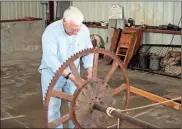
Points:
[(94, 90)]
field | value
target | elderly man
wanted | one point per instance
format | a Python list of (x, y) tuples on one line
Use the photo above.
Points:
[(60, 41)]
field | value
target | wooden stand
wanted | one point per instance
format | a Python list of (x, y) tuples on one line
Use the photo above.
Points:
[(155, 98), (148, 95), (128, 45)]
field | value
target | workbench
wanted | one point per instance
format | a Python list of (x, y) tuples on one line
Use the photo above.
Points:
[(144, 30)]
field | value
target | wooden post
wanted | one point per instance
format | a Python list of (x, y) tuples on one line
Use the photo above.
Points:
[(154, 97)]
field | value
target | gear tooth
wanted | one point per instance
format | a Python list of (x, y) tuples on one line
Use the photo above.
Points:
[(50, 83), (45, 98), (54, 75), (52, 79), (58, 69), (63, 64)]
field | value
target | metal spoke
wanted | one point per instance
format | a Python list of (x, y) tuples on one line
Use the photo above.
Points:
[(56, 122), (73, 68), (95, 118), (96, 89), (80, 104), (95, 65), (82, 101), (82, 107), (88, 91), (119, 89), (83, 117), (83, 114), (78, 81), (103, 91), (110, 73), (83, 97), (62, 95)]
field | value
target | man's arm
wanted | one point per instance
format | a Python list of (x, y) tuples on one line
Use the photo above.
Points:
[(49, 49), (88, 59)]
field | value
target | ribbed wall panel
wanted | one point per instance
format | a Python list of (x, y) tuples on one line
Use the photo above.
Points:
[(150, 13), (15, 10)]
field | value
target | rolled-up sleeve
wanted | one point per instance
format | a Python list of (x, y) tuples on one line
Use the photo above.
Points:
[(49, 49), (88, 59)]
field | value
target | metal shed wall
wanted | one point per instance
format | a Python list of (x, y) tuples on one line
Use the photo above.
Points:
[(20, 9), (150, 13)]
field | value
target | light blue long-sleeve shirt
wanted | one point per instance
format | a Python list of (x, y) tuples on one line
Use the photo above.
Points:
[(57, 47)]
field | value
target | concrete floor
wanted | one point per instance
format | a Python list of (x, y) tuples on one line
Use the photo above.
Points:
[(21, 98)]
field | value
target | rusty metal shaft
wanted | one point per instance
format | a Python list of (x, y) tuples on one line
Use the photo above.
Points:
[(125, 117)]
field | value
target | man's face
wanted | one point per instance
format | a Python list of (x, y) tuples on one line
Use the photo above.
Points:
[(71, 28)]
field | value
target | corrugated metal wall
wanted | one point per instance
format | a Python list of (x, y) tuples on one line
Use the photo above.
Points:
[(151, 13), (15, 10)]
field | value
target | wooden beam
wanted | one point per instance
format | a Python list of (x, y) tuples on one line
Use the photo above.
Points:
[(156, 98)]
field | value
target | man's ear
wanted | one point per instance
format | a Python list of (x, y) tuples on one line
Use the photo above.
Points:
[(64, 20)]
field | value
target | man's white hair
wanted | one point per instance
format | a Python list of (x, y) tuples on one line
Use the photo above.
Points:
[(73, 14)]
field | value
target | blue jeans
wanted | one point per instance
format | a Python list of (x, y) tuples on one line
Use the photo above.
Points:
[(54, 104)]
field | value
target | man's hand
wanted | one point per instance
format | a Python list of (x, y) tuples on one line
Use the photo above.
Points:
[(74, 78), (77, 79)]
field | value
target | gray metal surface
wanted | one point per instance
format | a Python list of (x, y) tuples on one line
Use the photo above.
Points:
[(14, 9), (151, 13)]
